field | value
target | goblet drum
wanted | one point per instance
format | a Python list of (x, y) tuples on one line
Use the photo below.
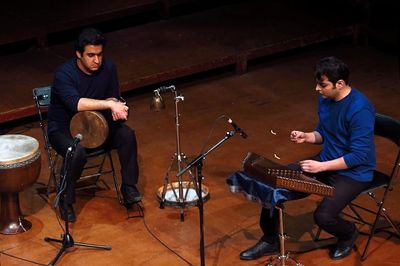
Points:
[(19, 168)]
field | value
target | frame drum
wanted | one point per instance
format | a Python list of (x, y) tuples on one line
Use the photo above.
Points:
[(170, 194), (92, 126), (19, 169)]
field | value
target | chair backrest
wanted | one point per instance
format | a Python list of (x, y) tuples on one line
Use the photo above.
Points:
[(42, 96), (389, 128)]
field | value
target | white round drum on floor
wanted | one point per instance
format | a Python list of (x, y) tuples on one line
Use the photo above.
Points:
[(19, 169), (170, 195)]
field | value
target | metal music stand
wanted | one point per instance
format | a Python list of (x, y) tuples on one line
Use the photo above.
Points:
[(198, 164), (67, 241), (283, 258), (180, 188)]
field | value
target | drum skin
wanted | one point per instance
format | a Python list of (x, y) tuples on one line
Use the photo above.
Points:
[(167, 196), (92, 126), (19, 162)]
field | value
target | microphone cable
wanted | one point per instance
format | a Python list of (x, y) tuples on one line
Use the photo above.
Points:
[(161, 242), (23, 259), (211, 131)]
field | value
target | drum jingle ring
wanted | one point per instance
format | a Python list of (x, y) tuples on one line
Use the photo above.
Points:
[(189, 194)]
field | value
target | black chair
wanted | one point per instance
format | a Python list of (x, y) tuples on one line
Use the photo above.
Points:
[(388, 128), (96, 157)]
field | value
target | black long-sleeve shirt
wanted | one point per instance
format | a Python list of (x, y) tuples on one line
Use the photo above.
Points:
[(70, 84)]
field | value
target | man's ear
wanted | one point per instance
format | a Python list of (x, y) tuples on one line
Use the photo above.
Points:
[(340, 84), (78, 54)]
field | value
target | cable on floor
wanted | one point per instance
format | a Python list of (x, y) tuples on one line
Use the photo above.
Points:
[(20, 258), (162, 243)]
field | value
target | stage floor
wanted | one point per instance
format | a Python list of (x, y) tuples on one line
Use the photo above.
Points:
[(278, 95)]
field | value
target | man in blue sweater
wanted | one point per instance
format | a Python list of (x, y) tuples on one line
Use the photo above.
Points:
[(347, 159), (89, 82)]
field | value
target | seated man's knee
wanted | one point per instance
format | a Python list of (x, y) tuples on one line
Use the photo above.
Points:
[(80, 155), (323, 219), (127, 136)]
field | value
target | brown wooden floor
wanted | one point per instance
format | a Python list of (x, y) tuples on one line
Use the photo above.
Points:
[(275, 95)]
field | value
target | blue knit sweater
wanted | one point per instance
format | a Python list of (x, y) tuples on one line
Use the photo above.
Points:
[(347, 129)]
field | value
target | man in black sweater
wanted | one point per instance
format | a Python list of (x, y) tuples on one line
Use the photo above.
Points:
[(89, 82)]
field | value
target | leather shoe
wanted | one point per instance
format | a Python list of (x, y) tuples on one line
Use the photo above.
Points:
[(131, 195), (343, 248), (67, 212), (262, 248)]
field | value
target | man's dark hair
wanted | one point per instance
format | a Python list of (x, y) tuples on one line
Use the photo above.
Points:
[(333, 68), (89, 36)]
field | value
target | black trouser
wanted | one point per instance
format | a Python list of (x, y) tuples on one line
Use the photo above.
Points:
[(121, 137), (326, 216)]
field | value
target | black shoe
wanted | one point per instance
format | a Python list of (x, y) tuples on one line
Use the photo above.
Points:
[(67, 212), (262, 248), (131, 195), (343, 248)]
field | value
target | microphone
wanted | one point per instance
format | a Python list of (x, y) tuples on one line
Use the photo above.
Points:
[(237, 129), (166, 88), (78, 137)]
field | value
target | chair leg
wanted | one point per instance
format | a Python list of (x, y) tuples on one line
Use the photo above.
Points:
[(381, 212), (357, 217), (317, 235), (52, 183), (390, 220), (116, 183), (371, 233)]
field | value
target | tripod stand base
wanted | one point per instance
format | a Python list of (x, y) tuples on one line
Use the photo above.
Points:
[(67, 242), (283, 260)]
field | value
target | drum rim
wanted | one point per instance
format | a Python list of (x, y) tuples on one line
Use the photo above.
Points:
[(24, 159), (172, 185), (85, 141)]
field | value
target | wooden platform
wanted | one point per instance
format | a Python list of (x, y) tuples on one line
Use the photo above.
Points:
[(156, 52)]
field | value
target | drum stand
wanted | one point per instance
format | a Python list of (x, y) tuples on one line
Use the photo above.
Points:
[(198, 163), (67, 241), (283, 258), (179, 158)]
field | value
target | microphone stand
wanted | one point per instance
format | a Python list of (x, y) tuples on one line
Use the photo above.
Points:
[(67, 241), (180, 159), (198, 163)]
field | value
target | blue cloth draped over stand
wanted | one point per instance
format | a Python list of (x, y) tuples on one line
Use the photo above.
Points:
[(255, 190)]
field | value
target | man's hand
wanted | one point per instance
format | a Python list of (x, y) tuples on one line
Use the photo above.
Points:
[(308, 137), (312, 166), (119, 110), (298, 136)]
